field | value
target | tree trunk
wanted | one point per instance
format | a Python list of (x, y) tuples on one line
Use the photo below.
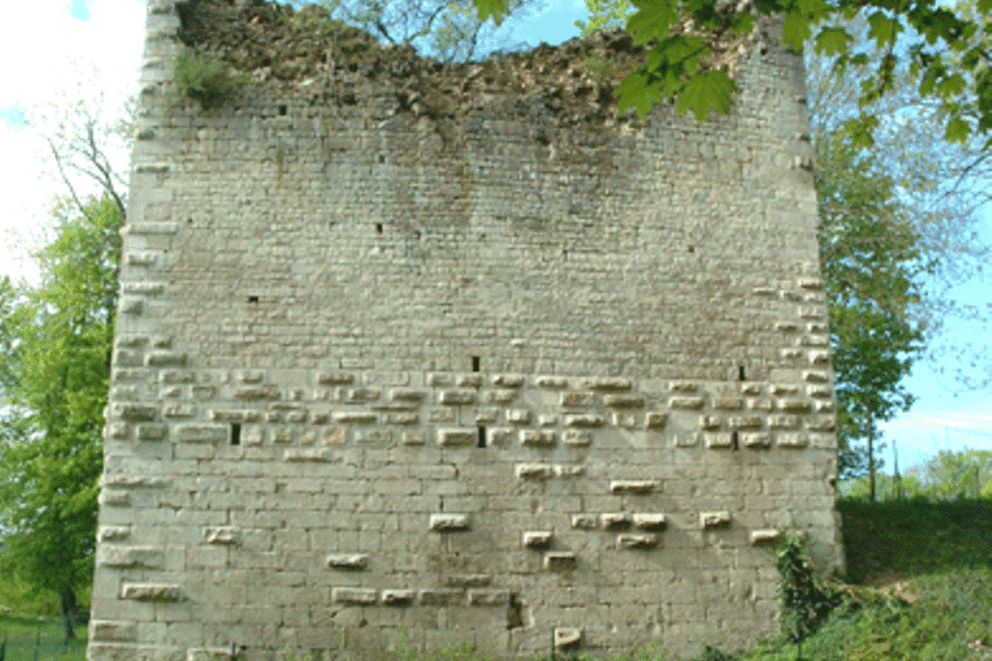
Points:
[(871, 460), (67, 605)]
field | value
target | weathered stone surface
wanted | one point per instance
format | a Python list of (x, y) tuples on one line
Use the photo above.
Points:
[(202, 433), (151, 592), (560, 560), (135, 412), (354, 596), (567, 637), (221, 535), (633, 486), (356, 230), (449, 522), (649, 520), (538, 539), (719, 519), (113, 631), (131, 557), (584, 421), (767, 536), (348, 561), (534, 471), (637, 541), (456, 437)]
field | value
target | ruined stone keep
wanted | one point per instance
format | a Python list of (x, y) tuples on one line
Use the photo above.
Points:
[(413, 356)]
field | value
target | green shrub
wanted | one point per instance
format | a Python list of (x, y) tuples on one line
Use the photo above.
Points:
[(205, 79)]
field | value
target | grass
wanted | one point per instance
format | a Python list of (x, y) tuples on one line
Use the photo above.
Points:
[(34, 639)]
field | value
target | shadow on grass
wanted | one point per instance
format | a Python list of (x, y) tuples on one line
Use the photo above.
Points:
[(890, 540)]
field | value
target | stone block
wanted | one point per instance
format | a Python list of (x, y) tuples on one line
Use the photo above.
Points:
[(624, 401), (335, 379), (538, 437), (751, 389), (469, 380), (488, 597), (398, 597), (821, 423), (728, 403), (165, 359), (164, 592), (210, 654), (795, 441), (534, 471), (151, 432), (567, 637), (114, 498), (307, 455), (560, 560), (468, 580), (457, 437), (709, 422), (407, 395), (765, 537), (235, 415), (456, 397), (257, 393), (502, 396), (402, 419), (178, 411), (710, 520), (113, 533), (135, 412), (348, 561), (221, 535), (439, 597), (637, 541), (132, 305), (816, 376), (655, 420), (538, 539), (615, 520), (449, 522), (354, 596), (551, 382), (202, 433), (131, 557), (793, 405), (686, 402), (567, 471), (508, 380), (607, 383), (518, 416), (633, 486), (756, 440), (649, 520), (355, 417), (684, 387), (719, 440), (742, 422), (113, 631), (577, 399), (585, 521), (577, 437), (584, 421)]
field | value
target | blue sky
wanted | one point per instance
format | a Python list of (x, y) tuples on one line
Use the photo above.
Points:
[(66, 50)]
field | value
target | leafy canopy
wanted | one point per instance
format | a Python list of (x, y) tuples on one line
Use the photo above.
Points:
[(948, 49), (56, 341)]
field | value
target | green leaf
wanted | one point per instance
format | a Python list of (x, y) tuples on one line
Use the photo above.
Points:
[(495, 9), (832, 41), (743, 23), (652, 20), (796, 30), (883, 29), (710, 90), (957, 130), (861, 130), (640, 91)]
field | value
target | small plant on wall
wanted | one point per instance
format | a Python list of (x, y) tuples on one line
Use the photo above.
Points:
[(205, 79)]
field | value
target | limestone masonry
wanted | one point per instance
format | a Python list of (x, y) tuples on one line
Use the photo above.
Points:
[(413, 356)]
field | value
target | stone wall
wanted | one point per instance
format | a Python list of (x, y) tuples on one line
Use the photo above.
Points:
[(498, 369)]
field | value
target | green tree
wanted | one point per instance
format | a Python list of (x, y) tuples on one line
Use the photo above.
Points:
[(58, 338), (947, 48), (964, 474), (871, 263)]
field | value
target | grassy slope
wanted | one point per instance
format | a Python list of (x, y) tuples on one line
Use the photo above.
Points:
[(919, 586)]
